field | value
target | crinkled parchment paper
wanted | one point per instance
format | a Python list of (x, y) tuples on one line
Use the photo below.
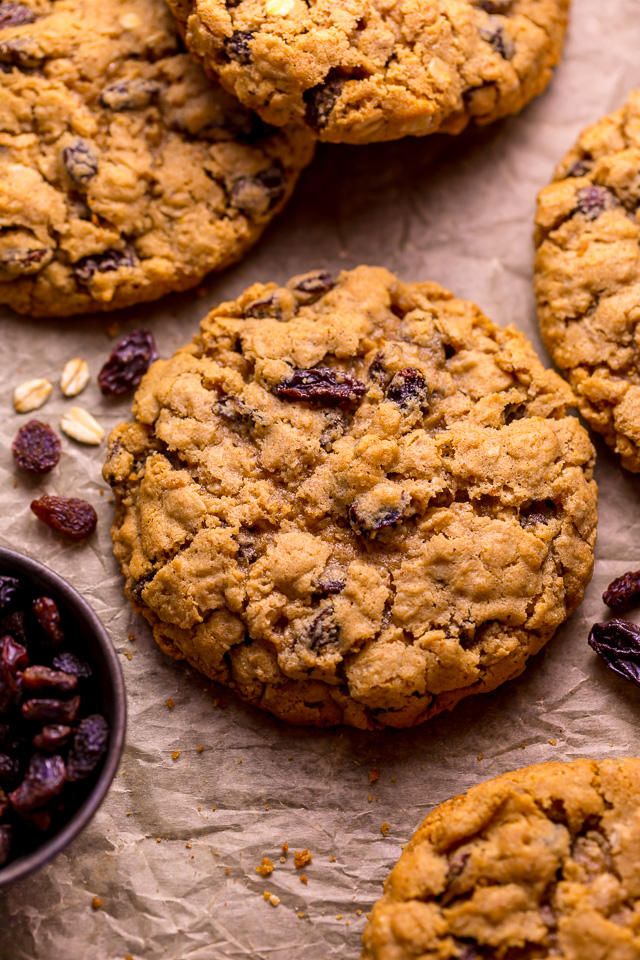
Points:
[(172, 852)]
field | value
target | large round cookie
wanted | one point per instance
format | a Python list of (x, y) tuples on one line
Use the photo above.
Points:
[(587, 276), (124, 172), (356, 71), (542, 862), (353, 501)]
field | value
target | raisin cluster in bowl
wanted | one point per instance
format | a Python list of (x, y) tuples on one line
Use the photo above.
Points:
[(52, 741)]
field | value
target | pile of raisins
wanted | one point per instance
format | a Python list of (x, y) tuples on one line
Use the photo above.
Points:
[(50, 744)]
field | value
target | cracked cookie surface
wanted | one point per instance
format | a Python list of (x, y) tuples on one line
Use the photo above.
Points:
[(539, 863), (124, 172), (353, 500), (587, 276), (357, 71)]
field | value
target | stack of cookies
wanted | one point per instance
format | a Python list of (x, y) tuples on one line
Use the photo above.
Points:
[(352, 500)]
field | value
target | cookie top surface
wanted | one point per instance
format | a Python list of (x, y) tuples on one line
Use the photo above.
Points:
[(357, 71), (354, 501), (587, 276), (124, 172), (541, 862)]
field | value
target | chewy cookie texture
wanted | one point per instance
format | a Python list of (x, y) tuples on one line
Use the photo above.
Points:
[(124, 172), (353, 501), (587, 276), (357, 71), (543, 862)]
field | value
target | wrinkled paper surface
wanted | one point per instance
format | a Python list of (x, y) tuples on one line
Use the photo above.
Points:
[(455, 210)]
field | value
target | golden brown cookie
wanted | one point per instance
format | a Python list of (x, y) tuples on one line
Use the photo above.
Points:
[(587, 276), (124, 172), (542, 862), (356, 71), (353, 500)]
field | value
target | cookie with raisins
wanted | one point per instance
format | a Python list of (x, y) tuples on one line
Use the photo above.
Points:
[(124, 173), (540, 862), (353, 500), (357, 71), (587, 276)]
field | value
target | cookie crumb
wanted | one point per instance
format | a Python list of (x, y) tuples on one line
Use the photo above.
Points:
[(302, 858), (188, 846), (227, 871), (128, 813), (285, 847), (332, 859), (370, 798), (384, 828), (96, 903), (553, 742), (359, 912), (265, 868), (170, 703), (338, 916), (130, 636), (523, 745), (200, 748), (373, 775), (303, 879), (175, 754), (480, 756), (301, 915), (283, 859)]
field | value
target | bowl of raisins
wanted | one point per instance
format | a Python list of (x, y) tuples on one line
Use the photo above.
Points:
[(62, 714)]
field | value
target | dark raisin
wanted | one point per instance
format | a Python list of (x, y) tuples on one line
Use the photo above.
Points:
[(321, 632), (378, 371), (43, 678), (540, 511), (237, 46), (89, 745), (13, 654), (129, 361), (44, 780), (495, 6), (593, 200), (48, 616), (618, 643), (36, 448), (9, 589), (255, 196), (335, 427), (579, 168), (514, 411), (74, 518), (367, 521), (9, 768), (499, 40), (52, 737), (13, 623), (80, 161), (4, 803), (457, 863), (21, 255), (268, 307), (6, 838), (20, 52), (312, 286), (233, 411), (15, 14), (325, 586), (624, 591), (105, 262), (40, 819), (69, 663), (129, 94), (56, 711), (320, 101), (409, 388), (320, 386)]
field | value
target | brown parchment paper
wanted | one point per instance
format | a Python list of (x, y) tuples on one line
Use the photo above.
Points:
[(455, 210)]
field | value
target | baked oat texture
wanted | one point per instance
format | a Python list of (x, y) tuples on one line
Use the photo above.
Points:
[(587, 276), (124, 172), (408, 531), (542, 862), (356, 71)]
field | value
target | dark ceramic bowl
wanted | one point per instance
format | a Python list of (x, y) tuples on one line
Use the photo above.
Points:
[(109, 687)]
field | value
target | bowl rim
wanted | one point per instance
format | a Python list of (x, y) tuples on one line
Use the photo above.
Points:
[(28, 863)]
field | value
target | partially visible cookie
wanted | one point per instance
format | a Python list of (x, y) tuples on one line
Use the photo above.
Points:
[(124, 172), (357, 71), (353, 500), (587, 276), (541, 862)]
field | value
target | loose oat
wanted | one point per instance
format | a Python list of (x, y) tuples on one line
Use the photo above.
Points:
[(31, 395), (74, 377), (78, 424)]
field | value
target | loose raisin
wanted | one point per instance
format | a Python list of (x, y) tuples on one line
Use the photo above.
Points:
[(9, 589), (6, 838), (43, 678), (52, 736), (13, 654), (13, 623), (320, 386), (48, 616), (69, 663), (56, 711), (89, 745), (9, 768), (74, 518), (624, 591), (129, 361), (618, 643), (45, 779), (36, 448)]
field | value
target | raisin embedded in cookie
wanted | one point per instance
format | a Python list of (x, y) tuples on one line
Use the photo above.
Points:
[(541, 862), (124, 172), (353, 500), (587, 276), (357, 71)]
